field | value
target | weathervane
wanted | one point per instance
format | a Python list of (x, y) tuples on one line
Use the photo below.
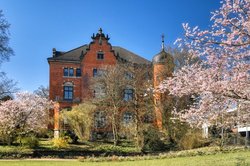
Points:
[(162, 41)]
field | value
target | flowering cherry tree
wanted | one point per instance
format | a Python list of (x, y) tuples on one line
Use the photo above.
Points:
[(27, 113), (221, 81)]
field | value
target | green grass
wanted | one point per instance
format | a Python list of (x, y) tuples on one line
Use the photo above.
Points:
[(222, 159)]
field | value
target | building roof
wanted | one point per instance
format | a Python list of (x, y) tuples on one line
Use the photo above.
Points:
[(75, 55), (129, 56), (72, 55)]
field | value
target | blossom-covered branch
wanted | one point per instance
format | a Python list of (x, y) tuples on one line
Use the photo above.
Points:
[(223, 77)]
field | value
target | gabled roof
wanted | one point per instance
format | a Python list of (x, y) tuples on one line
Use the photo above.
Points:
[(75, 55), (129, 56), (72, 55)]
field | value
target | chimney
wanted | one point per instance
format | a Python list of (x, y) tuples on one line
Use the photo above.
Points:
[(54, 52)]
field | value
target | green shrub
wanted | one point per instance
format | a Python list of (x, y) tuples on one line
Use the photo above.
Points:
[(31, 141), (68, 133), (152, 140), (14, 152), (80, 120), (191, 140), (171, 154), (62, 142)]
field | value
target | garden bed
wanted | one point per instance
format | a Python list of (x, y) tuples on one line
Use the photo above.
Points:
[(105, 152)]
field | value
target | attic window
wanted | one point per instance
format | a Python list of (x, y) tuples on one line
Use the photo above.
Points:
[(100, 56)]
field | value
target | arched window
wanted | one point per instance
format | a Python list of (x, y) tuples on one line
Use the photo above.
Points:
[(68, 91)]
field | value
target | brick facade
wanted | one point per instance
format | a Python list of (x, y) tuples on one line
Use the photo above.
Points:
[(80, 64)]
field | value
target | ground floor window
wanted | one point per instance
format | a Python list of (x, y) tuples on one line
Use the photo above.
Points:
[(100, 119), (128, 94), (99, 91), (127, 117)]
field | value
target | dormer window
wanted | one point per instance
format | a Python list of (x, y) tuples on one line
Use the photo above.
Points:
[(100, 56)]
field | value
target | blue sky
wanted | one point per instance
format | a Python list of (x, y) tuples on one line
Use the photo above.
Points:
[(38, 26)]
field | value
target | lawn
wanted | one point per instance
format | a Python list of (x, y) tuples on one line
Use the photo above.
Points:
[(225, 159)]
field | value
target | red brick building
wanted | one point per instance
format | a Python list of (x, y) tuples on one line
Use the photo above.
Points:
[(71, 71)]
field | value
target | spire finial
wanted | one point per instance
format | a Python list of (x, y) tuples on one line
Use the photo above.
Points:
[(100, 31), (162, 41)]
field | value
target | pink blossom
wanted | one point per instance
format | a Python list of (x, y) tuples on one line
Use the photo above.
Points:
[(223, 77)]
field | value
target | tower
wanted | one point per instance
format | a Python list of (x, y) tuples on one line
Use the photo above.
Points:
[(163, 67)]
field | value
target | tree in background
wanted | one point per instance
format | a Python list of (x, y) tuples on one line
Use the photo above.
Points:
[(28, 113), (182, 57), (139, 78), (42, 91), (7, 86), (5, 50), (221, 80), (112, 82), (80, 119)]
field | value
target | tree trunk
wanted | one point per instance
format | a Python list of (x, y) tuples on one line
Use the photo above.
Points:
[(114, 129)]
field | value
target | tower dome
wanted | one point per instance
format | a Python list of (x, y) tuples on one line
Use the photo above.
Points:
[(163, 56)]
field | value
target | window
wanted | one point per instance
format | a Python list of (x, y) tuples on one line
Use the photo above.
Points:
[(128, 94), (65, 72), (129, 75), (127, 117), (68, 72), (68, 92), (78, 72), (100, 56), (100, 119), (97, 72), (99, 91), (71, 72), (94, 72)]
